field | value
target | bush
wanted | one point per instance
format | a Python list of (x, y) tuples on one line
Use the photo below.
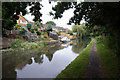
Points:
[(22, 31), (44, 33), (29, 26), (49, 28), (70, 32), (45, 43), (38, 32), (99, 39), (58, 32), (16, 44), (17, 26), (36, 28), (42, 37), (32, 31)]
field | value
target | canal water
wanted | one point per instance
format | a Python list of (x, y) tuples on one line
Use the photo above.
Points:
[(41, 63)]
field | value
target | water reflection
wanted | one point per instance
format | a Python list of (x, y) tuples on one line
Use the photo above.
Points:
[(39, 63), (79, 45)]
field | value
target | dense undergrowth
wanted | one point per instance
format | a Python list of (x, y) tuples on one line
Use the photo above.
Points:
[(24, 45), (108, 56)]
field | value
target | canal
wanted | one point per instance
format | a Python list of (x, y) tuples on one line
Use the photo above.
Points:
[(41, 63)]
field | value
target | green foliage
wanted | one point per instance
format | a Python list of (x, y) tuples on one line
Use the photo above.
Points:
[(38, 32), (32, 31), (22, 31), (49, 28), (44, 33), (99, 39), (42, 37), (44, 43), (70, 32), (60, 8), (36, 28), (51, 23), (38, 24), (29, 26), (35, 10), (101, 18), (17, 43), (9, 20), (74, 28), (79, 29), (17, 27), (58, 32), (107, 56), (26, 45), (91, 34), (14, 9)]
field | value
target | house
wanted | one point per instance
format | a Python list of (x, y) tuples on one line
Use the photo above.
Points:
[(22, 21)]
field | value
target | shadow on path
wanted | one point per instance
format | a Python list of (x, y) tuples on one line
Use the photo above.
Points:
[(94, 68)]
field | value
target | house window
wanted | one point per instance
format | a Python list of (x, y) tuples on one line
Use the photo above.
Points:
[(23, 22)]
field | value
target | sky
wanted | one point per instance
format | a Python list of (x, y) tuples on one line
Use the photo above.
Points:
[(62, 22)]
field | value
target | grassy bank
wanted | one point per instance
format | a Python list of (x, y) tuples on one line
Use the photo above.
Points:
[(77, 68), (109, 60)]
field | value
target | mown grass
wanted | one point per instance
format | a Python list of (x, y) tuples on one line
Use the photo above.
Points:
[(108, 59), (76, 68)]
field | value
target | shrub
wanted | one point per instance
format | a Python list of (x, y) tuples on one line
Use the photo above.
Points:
[(45, 43), (42, 37), (29, 26), (17, 26), (16, 44), (58, 32), (70, 32), (32, 31), (44, 33), (49, 28), (36, 28), (38, 32), (22, 31), (99, 39)]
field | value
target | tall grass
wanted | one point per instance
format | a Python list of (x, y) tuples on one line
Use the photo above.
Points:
[(108, 58)]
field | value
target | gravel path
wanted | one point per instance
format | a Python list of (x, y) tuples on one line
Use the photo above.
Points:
[(94, 68)]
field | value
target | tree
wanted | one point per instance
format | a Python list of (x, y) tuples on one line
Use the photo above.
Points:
[(51, 23), (35, 10), (70, 32), (17, 27), (79, 29), (48, 29), (101, 14), (14, 9), (38, 24)]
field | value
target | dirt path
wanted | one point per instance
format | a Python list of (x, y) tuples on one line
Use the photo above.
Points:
[(94, 68)]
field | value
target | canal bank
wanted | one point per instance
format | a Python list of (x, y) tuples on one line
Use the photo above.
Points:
[(77, 67), (18, 44)]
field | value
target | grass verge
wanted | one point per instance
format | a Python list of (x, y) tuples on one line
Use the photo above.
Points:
[(109, 60), (77, 67)]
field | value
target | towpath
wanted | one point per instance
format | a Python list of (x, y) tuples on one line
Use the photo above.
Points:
[(94, 68)]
